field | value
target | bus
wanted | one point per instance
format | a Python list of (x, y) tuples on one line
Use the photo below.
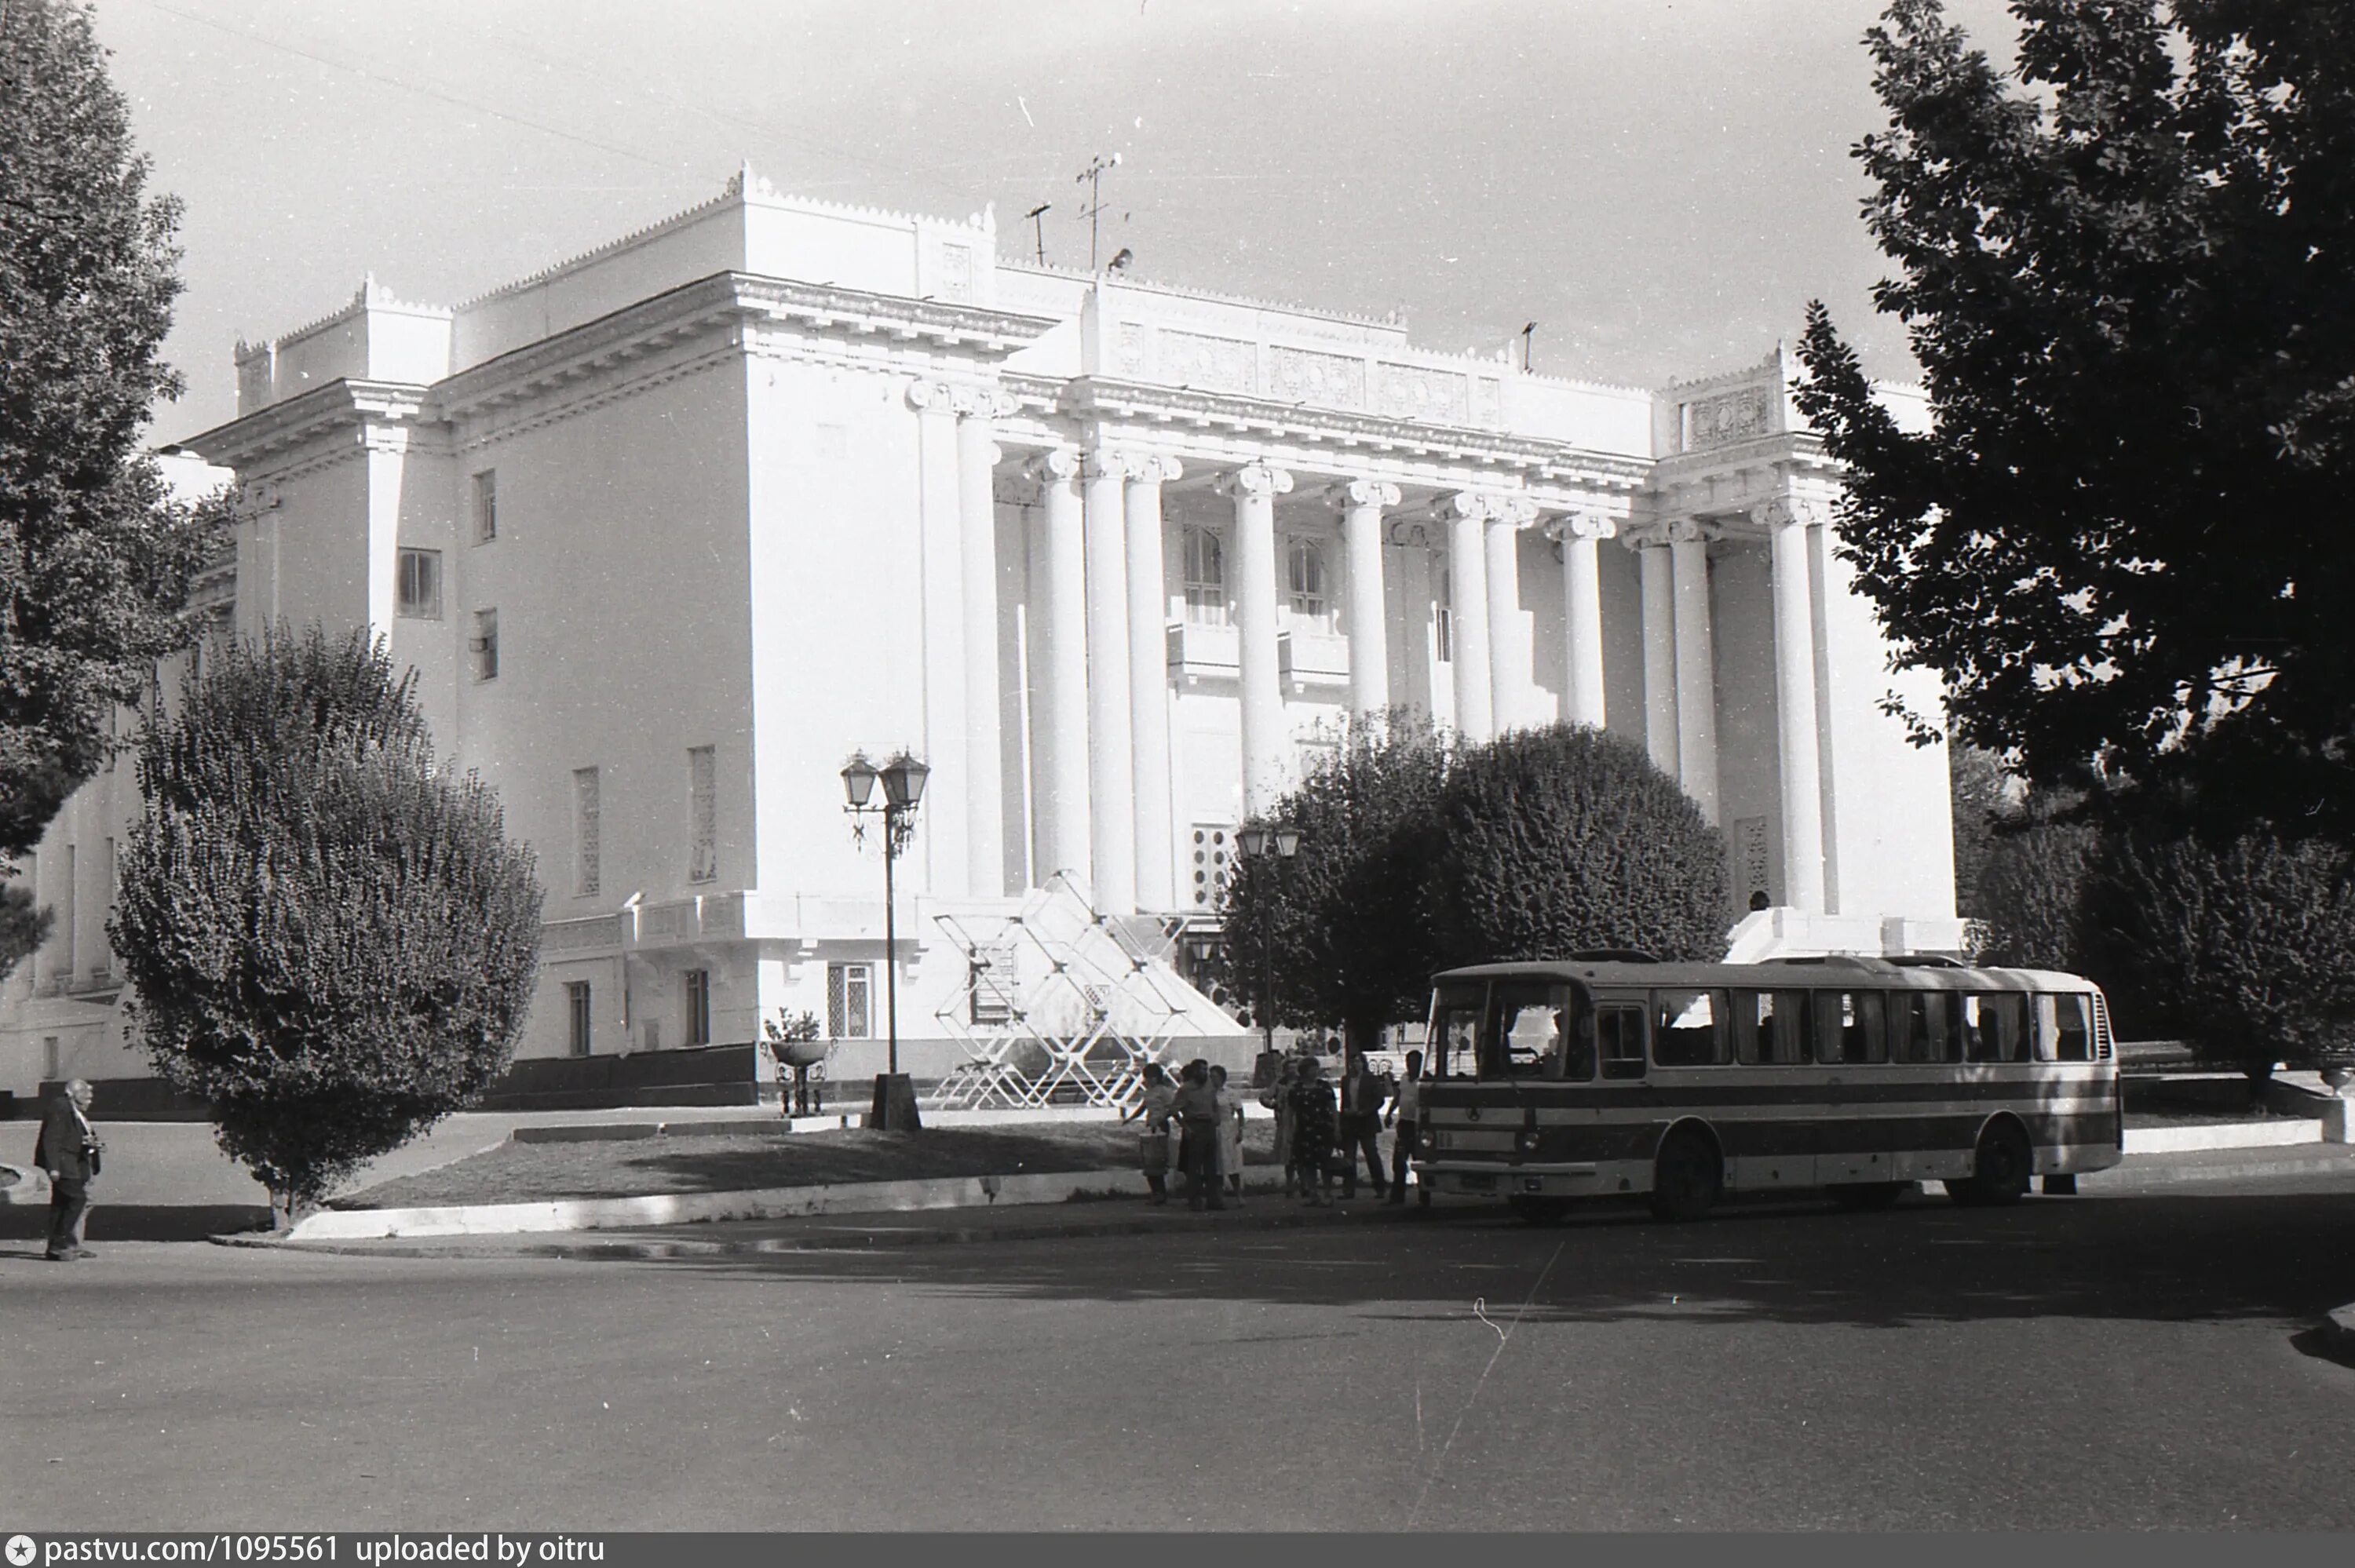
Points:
[(1616, 1075)]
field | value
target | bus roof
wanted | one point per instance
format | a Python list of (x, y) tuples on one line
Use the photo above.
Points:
[(1835, 971)]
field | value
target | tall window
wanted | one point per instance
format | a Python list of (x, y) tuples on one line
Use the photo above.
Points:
[(850, 1001), (484, 645), (576, 1012), (1304, 584), (420, 587), (1443, 616), (486, 506), (702, 815), (585, 831), (698, 1006), (1203, 569)]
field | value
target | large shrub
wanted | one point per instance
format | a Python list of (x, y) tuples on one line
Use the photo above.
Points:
[(331, 943), (2249, 948), (1549, 841), (1339, 928), (2031, 892)]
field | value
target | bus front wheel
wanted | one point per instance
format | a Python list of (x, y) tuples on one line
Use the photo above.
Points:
[(1687, 1177), (2000, 1170)]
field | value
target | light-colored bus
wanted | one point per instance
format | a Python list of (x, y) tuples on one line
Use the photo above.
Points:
[(1688, 1082)]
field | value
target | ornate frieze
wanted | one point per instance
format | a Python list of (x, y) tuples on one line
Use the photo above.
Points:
[(1489, 407), (1727, 418), (1415, 392), (1128, 350), (1305, 375), (1214, 364)]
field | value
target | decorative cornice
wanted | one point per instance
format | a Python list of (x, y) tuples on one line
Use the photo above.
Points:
[(345, 405), (1254, 480)]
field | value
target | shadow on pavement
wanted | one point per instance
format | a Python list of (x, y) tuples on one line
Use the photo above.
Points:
[(2158, 1259), (29, 1223)]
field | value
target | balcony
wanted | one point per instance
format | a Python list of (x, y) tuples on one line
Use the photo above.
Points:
[(1307, 658), (1199, 651)]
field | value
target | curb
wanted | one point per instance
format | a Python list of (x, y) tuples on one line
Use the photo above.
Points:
[(2339, 1333), (2118, 1177)]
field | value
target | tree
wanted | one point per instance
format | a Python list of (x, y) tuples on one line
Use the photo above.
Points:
[(331, 942), (2249, 949), (2129, 283), (1342, 919), (95, 560), (1552, 841), (1980, 796)]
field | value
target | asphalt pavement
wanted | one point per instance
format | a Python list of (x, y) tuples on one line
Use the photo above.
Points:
[(2134, 1357)]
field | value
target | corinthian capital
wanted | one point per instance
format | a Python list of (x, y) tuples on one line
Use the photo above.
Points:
[(1691, 531), (1255, 480), (1517, 511), (1364, 493), (1787, 511), (972, 402), (1153, 468), (1474, 505), (1578, 525), (924, 395)]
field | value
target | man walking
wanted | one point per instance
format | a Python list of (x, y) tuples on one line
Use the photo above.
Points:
[(68, 1148), (1406, 1112), (1361, 1125)]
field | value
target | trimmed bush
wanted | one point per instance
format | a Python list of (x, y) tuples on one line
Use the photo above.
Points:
[(331, 943)]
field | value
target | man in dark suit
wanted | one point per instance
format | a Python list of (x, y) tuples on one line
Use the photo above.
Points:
[(68, 1150)]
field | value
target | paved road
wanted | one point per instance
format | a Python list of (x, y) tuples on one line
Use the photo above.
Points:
[(2115, 1362)]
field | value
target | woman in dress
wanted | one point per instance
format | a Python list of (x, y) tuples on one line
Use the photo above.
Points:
[(1277, 1098), (1312, 1131), (1231, 1134), (1153, 1150)]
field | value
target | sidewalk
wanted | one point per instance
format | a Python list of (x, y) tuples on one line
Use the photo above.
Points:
[(1132, 1216)]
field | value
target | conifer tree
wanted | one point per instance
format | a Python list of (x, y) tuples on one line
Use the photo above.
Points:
[(332, 943)]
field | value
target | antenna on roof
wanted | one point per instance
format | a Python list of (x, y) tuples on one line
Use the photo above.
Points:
[(1527, 333), (1092, 177), (1040, 229)]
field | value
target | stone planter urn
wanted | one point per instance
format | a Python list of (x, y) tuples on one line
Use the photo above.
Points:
[(2337, 1076)]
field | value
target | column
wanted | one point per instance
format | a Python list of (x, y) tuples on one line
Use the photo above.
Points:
[(1582, 616), (1112, 768), (1794, 702), (1468, 612), (1255, 488), (1508, 674), (1064, 668), (1362, 502), (1148, 685), (1660, 653), (1696, 665), (938, 613), (985, 789)]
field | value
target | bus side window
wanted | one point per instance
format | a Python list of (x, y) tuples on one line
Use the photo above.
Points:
[(1619, 1034), (1578, 1047), (1833, 1013), (1864, 1031), (1770, 1027), (1691, 1029), (1924, 1026), (1994, 1029), (2073, 1033)]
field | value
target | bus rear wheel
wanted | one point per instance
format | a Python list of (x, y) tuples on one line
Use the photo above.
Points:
[(1687, 1177), (2000, 1170)]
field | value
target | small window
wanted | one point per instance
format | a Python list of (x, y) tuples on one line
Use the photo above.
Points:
[(850, 997), (1306, 599), (1922, 1027), (1690, 1029), (576, 1009), (1850, 1027), (1770, 1028), (420, 589), (1995, 1028), (698, 1006), (1202, 567), (1619, 1040), (486, 506), (484, 645), (1443, 616), (2064, 1028)]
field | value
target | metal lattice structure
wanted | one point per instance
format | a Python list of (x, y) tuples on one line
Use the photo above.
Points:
[(1059, 999)]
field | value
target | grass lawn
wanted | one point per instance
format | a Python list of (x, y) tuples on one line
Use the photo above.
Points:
[(526, 1172)]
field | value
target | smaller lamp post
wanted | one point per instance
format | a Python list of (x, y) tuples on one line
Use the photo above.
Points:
[(903, 778), (1256, 843)]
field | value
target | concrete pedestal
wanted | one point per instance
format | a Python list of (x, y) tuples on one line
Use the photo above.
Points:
[(894, 1107)]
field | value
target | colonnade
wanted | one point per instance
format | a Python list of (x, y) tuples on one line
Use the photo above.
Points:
[(1101, 726)]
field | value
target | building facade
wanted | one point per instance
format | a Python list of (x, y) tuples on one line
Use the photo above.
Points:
[(670, 529)]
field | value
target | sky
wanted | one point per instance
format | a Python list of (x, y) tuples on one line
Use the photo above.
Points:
[(1660, 185)]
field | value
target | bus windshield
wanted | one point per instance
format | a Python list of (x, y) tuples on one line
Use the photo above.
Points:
[(1456, 1030)]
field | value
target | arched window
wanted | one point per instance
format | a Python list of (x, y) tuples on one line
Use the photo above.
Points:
[(1204, 573), (1442, 617), (1305, 583)]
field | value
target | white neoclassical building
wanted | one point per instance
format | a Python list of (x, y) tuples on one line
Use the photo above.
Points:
[(670, 528)]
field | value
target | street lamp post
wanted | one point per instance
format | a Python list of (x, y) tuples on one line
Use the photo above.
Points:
[(894, 1107), (1255, 843)]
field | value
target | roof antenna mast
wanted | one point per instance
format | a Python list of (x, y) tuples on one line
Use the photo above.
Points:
[(1092, 177), (1038, 228)]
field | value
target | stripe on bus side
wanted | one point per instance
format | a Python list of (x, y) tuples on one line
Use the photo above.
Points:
[(1765, 1136)]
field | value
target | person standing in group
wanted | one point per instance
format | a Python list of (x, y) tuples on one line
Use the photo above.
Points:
[(1361, 1127), (68, 1150), (1406, 1116), (1278, 1099), (1197, 1107), (1312, 1131), (1230, 1135), (1153, 1146)]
